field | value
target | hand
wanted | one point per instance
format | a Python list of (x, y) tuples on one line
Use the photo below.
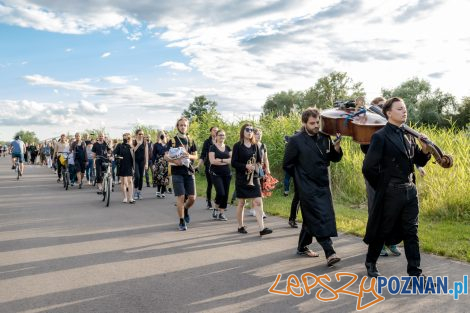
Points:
[(421, 171), (337, 142), (178, 162), (250, 167), (424, 145)]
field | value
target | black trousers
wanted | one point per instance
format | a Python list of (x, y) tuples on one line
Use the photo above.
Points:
[(305, 239), (209, 184), (400, 206), (294, 207), (139, 174), (222, 186)]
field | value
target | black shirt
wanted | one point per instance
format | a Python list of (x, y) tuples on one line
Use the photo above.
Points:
[(220, 170), (241, 155), (99, 149), (190, 148)]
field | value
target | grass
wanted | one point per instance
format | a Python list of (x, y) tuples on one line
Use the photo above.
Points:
[(443, 237)]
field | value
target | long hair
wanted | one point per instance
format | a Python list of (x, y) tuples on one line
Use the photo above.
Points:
[(242, 134), (217, 135)]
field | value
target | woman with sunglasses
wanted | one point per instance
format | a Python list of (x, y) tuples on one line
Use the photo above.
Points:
[(245, 159), (220, 156), (141, 155)]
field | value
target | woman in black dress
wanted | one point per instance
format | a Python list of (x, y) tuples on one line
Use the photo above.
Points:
[(141, 156), (160, 171), (220, 156), (246, 159), (125, 170)]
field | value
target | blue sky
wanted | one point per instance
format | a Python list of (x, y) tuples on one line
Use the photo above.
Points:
[(67, 66)]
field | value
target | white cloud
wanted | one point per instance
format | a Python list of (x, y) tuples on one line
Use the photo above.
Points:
[(90, 108), (177, 66), (106, 54), (132, 47), (68, 50), (118, 80), (40, 80)]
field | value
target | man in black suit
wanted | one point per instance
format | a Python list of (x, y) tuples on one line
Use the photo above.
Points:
[(389, 169)]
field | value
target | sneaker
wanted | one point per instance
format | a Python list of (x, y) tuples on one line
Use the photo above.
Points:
[(158, 194), (265, 231), (140, 196), (170, 190), (264, 216), (394, 250), (214, 214), (242, 230), (187, 218), (293, 224), (89, 182), (332, 259), (286, 193), (163, 195), (131, 201), (383, 252), (209, 205), (251, 212), (182, 227), (222, 217), (125, 200)]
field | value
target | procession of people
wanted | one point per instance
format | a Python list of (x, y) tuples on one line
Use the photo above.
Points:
[(388, 169)]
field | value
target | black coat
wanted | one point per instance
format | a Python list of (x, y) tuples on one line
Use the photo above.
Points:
[(307, 159), (387, 155)]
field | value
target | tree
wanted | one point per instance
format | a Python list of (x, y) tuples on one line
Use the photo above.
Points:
[(199, 106), (283, 103), (412, 92), (93, 132), (328, 89), (437, 108), (27, 136), (463, 116)]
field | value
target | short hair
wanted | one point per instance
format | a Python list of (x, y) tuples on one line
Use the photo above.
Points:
[(377, 100), (310, 112), (212, 127), (242, 133), (388, 105), (137, 131)]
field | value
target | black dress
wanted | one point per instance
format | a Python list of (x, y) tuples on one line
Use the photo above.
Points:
[(126, 164), (240, 156)]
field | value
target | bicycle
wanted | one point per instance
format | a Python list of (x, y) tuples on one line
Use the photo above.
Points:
[(17, 168), (108, 184), (65, 171)]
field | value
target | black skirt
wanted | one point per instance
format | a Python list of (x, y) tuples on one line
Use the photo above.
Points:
[(244, 191)]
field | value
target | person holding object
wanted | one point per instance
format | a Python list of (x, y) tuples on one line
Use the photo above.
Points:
[(246, 157), (182, 171), (307, 157), (389, 169)]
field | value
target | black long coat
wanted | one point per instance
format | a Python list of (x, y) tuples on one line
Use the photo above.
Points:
[(307, 159), (385, 155)]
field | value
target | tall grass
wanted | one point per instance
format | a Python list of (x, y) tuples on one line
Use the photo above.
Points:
[(443, 193)]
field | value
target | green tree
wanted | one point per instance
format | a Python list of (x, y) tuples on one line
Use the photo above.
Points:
[(438, 108), (412, 92), (462, 118), (27, 136), (199, 106), (93, 132), (328, 89), (283, 103)]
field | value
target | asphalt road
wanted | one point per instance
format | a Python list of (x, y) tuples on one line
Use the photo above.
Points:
[(64, 251)]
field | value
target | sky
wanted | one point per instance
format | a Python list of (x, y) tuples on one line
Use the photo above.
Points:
[(67, 66)]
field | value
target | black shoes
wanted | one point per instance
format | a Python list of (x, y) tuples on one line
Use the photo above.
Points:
[(372, 270), (242, 230), (265, 231), (293, 224)]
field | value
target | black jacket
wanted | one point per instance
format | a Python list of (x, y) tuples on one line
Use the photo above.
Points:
[(307, 159), (387, 157), (205, 150)]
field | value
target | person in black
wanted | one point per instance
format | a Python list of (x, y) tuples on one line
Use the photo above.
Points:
[(100, 148), (125, 167), (220, 156), (389, 169), (205, 158), (149, 160), (78, 148), (160, 165), (182, 171), (246, 158), (307, 157), (141, 155)]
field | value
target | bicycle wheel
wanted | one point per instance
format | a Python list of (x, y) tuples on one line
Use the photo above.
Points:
[(108, 190), (105, 183), (17, 172), (93, 176), (67, 180), (63, 177)]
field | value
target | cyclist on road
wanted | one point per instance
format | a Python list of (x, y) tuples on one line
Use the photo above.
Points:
[(61, 147), (17, 150)]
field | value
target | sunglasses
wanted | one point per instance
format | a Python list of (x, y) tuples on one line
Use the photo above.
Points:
[(249, 130), (221, 135), (140, 134)]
